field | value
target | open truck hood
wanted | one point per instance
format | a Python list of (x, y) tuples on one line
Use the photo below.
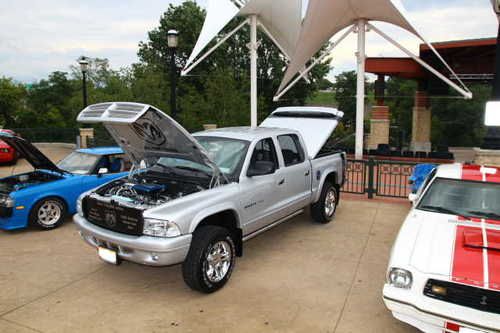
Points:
[(143, 131), (27, 150), (315, 124)]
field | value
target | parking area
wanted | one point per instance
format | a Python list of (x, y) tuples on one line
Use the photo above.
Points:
[(297, 277)]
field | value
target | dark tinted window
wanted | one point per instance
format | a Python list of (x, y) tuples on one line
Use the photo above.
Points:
[(291, 149), (264, 151)]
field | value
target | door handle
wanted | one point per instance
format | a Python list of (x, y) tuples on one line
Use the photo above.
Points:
[(281, 182), (308, 172)]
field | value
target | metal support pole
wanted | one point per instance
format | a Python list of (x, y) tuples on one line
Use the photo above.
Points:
[(84, 89), (173, 84), (492, 138), (253, 70), (360, 94)]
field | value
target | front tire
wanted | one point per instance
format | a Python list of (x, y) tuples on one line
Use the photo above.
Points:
[(210, 261), (48, 213), (324, 210)]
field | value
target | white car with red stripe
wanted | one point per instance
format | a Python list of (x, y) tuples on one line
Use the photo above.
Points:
[(444, 271)]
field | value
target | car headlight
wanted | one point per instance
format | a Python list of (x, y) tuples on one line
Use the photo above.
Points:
[(6, 201), (160, 228), (400, 278), (79, 209)]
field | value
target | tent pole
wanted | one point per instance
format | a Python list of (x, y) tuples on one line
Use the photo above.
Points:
[(360, 91), (253, 70)]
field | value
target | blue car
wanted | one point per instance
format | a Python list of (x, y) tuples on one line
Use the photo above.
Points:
[(45, 196)]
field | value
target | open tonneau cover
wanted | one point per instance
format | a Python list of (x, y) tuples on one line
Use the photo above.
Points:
[(315, 124)]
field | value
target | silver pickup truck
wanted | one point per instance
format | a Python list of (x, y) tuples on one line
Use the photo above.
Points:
[(194, 199)]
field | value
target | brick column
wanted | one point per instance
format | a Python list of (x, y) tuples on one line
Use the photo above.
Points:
[(380, 123), (422, 116), (86, 134)]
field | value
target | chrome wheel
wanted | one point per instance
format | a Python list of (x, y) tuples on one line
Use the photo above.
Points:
[(218, 261), (330, 202), (49, 213)]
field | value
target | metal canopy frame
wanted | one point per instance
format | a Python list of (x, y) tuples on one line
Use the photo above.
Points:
[(360, 27)]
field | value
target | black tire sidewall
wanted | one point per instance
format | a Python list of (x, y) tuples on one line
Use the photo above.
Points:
[(34, 214), (327, 189), (206, 283), (193, 266)]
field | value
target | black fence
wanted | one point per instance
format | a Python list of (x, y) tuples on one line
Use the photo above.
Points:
[(379, 178), (60, 135)]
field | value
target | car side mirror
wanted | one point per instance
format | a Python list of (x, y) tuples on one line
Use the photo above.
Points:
[(413, 197), (261, 168), (102, 171)]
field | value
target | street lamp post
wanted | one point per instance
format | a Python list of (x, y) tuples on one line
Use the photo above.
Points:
[(492, 138), (173, 42), (84, 66)]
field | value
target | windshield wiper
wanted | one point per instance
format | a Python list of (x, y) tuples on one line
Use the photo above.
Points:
[(489, 215), (440, 209)]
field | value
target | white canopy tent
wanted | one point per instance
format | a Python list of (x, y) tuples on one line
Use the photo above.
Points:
[(280, 20), (325, 18)]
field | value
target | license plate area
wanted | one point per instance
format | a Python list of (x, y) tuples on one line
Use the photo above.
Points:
[(108, 255)]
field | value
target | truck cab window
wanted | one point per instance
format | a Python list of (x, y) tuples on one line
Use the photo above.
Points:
[(264, 151), (291, 149)]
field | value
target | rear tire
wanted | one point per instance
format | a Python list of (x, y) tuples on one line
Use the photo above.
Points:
[(210, 260), (324, 210), (48, 213)]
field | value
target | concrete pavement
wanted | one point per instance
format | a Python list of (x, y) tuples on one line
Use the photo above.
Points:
[(297, 277)]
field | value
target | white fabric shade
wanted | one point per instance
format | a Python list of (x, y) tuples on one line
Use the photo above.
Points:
[(282, 18), (325, 18), (219, 14)]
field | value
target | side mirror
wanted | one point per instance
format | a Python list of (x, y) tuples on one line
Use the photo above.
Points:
[(261, 168), (102, 171), (413, 197)]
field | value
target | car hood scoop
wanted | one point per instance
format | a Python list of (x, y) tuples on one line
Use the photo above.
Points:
[(475, 239), (145, 132)]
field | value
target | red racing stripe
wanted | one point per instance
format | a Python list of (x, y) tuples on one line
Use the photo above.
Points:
[(467, 261), (494, 259)]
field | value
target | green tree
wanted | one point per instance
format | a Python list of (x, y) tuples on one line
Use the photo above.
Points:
[(345, 92), (12, 97)]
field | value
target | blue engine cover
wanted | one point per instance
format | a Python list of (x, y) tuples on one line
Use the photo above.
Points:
[(148, 188)]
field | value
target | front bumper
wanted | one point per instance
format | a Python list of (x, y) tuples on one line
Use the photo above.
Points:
[(145, 250), (432, 316)]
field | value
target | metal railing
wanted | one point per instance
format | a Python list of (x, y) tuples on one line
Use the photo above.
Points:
[(378, 178)]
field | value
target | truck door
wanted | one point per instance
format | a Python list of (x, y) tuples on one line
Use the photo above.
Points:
[(259, 194), (296, 191)]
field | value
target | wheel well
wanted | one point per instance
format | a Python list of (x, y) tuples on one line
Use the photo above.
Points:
[(226, 219), (332, 178), (50, 197)]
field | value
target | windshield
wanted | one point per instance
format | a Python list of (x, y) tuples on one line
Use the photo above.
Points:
[(228, 154), (78, 163), (464, 198)]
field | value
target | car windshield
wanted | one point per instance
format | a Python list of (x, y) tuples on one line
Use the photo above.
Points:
[(464, 198), (78, 163), (228, 154)]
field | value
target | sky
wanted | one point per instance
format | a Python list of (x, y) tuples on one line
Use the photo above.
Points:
[(38, 37)]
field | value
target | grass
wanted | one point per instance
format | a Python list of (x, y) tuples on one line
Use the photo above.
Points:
[(322, 98)]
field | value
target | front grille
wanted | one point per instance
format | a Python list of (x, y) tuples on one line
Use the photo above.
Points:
[(468, 296), (5, 211), (113, 217)]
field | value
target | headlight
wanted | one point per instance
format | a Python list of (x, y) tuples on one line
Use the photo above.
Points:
[(79, 209), (400, 278), (6, 201), (160, 228)]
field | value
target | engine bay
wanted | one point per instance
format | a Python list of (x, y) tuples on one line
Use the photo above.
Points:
[(148, 189), (18, 182)]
